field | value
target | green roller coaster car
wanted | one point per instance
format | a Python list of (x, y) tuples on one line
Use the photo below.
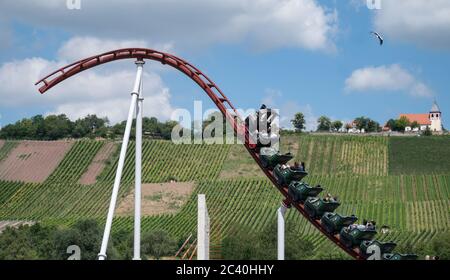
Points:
[(334, 222), (285, 176), (385, 247), (399, 257), (270, 157), (354, 237), (317, 207), (300, 191)]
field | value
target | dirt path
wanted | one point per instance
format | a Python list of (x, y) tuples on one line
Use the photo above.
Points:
[(14, 224), (33, 161), (97, 164), (162, 198)]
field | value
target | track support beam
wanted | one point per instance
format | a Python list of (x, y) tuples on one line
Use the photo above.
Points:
[(281, 231), (123, 151)]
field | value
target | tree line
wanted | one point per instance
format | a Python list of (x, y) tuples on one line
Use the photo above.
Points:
[(45, 242), (54, 127), (325, 124)]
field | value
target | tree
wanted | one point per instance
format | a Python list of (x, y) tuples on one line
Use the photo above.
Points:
[(392, 124), (427, 132), (367, 124), (441, 246), (361, 123), (90, 126), (158, 243), (57, 127), (86, 234), (122, 244), (243, 243), (373, 126), (298, 122), (240, 244), (43, 242), (15, 245), (324, 124), (337, 125), (39, 123), (402, 123), (165, 129)]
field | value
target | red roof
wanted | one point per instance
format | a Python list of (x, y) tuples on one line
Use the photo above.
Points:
[(422, 119)]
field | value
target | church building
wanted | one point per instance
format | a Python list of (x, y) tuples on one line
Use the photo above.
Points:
[(432, 120)]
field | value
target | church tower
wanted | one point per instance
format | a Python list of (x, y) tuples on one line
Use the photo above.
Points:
[(436, 118)]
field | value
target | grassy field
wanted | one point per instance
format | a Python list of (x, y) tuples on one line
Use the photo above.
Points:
[(424, 155), (374, 177)]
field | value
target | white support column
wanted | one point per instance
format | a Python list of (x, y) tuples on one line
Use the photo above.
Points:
[(281, 230), (138, 171), (202, 229), (123, 151)]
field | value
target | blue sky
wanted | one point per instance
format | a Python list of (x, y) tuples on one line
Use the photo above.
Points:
[(311, 56)]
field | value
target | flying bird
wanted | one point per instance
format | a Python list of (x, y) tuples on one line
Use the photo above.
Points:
[(378, 36)]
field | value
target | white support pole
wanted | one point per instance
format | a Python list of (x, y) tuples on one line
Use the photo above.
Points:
[(202, 229), (280, 213), (123, 151), (138, 171)]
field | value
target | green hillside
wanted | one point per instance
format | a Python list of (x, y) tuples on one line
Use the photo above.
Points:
[(374, 177), (419, 155)]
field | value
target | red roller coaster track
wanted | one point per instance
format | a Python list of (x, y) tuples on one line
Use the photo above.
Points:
[(211, 89)]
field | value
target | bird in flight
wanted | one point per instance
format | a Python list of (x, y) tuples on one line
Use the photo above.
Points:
[(380, 38)]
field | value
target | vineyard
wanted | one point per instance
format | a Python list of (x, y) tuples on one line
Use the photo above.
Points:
[(61, 196), (162, 161), (419, 155), (75, 162), (374, 177), (344, 155), (254, 202)]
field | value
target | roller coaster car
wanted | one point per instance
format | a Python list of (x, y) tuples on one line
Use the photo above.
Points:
[(334, 222), (316, 207), (354, 237), (270, 157), (385, 247), (285, 176), (300, 191), (399, 257)]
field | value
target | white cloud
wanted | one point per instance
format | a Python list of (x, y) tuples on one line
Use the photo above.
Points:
[(81, 47), (263, 24), (392, 78), (271, 97), (424, 23), (104, 92), (6, 35)]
